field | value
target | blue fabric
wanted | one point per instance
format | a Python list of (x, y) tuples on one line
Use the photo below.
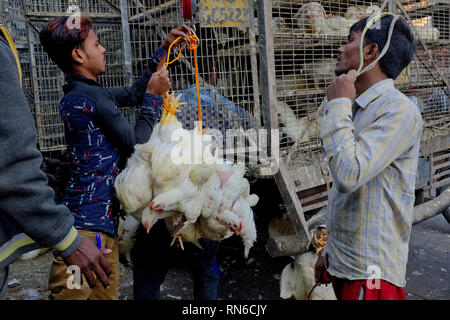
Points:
[(210, 97), (153, 257), (95, 164), (94, 167)]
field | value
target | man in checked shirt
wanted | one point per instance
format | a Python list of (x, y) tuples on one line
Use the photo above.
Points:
[(371, 135)]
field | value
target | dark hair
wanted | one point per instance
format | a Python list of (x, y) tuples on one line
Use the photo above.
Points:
[(58, 40), (401, 48)]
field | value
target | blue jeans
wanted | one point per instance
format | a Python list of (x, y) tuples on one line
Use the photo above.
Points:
[(152, 258)]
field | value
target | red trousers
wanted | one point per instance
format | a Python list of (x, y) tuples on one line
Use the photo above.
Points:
[(372, 290)]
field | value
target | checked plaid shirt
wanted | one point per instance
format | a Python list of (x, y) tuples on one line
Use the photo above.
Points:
[(372, 147)]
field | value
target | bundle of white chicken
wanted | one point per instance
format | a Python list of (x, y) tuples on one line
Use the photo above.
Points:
[(175, 176)]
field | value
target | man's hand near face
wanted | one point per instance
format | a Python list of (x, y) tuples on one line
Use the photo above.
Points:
[(342, 87)]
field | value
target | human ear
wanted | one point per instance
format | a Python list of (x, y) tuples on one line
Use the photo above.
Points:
[(371, 51), (78, 55)]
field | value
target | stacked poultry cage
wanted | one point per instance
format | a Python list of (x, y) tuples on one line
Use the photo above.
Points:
[(306, 36), (227, 62), (428, 84), (272, 62), (43, 80)]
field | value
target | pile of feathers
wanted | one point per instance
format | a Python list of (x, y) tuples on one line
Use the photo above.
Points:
[(177, 176)]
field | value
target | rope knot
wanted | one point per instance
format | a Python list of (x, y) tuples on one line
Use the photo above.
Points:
[(193, 42)]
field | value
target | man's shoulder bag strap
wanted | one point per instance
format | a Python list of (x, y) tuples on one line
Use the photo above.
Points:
[(5, 33)]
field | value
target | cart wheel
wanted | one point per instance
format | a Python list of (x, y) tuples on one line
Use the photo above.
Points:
[(446, 214)]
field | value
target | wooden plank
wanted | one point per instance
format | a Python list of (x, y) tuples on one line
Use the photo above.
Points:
[(313, 197), (441, 174), (315, 206), (434, 145), (441, 165), (292, 203), (307, 177), (440, 183)]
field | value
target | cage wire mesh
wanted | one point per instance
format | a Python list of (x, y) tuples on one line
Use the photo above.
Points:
[(54, 8), (306, 37), (12, 16), (42, 79)]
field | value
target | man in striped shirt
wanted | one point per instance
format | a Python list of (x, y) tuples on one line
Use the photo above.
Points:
[(372, 144)]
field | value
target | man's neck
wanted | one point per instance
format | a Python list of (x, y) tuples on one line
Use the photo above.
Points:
[(84, 73), (367, 80)]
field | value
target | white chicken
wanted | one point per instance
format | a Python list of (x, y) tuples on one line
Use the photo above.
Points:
[(297, 279), (292, 82), (311, 18), (296, 128), (356, 13), (198, 195), (321, 70), (133, 184), (33, 254), (228, 201), (427, 33), (126, 230)]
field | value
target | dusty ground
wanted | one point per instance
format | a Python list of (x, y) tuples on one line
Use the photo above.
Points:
[(428, 270), (254, 279)]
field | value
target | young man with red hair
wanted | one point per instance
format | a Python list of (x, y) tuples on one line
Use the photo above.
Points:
[(99, 139)]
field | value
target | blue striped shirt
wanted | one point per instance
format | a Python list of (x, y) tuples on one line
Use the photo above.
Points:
[(372, 147)]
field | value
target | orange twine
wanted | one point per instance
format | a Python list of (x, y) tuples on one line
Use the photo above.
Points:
[(191, 47)]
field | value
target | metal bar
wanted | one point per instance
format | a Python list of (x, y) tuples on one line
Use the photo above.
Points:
[(267, 61), (392, 7), (442, 174), (315, 206), (161, 9), (46, 15), (127, 55), (270, 117), (441, 157), (431, 208), (113, 5), (34, 82), (254, 65), (439, 166), (163, 35), (127, 68)]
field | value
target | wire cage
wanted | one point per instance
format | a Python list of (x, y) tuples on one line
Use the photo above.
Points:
[(42, 79), (228, 73), (55, 8), (131, 31), (306, 35)]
